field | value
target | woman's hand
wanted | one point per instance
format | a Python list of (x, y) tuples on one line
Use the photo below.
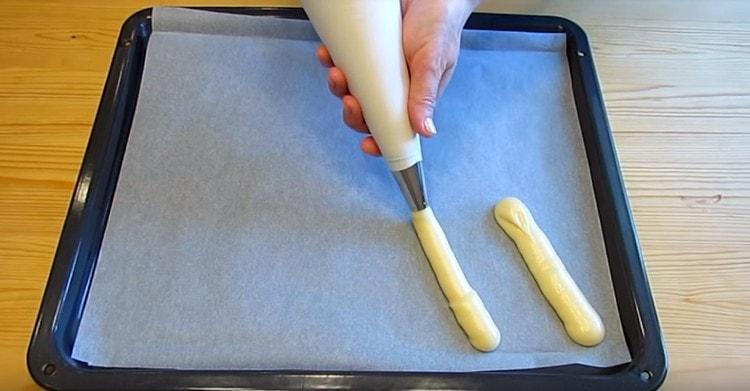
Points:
[(431, 39)]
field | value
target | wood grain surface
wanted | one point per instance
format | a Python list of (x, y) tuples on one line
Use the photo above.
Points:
[(676, 80)]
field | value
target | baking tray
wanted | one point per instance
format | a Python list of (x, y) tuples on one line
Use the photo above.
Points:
[(49, 356)]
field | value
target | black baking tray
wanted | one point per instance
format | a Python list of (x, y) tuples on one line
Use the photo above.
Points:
[(49, 356)]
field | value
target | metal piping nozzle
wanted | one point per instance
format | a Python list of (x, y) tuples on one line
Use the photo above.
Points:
[(411, 183)]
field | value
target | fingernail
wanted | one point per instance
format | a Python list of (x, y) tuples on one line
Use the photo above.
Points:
[(429, 126)]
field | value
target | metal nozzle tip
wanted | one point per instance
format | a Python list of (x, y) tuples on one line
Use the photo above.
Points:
[(411, 183)]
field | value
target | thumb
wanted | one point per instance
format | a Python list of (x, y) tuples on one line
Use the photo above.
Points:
[(423, 93)]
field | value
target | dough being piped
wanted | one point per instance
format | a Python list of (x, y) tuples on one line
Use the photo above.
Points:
[(468, 308), (582, 323)]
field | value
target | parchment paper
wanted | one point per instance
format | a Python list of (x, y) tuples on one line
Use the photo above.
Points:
[(249, 232)]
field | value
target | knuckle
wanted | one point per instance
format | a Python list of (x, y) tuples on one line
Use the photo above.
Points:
[(426, 65), (428, 100)]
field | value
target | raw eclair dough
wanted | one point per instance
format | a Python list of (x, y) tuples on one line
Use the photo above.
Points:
[(468, 308), (582, 323)]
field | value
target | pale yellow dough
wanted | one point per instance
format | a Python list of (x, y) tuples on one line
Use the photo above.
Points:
[(582, 323), (463, 300)]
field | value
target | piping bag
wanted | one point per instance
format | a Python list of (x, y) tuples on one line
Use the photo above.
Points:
[(364, 40)]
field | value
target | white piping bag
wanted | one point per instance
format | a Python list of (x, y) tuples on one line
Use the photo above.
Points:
[(364, 39)]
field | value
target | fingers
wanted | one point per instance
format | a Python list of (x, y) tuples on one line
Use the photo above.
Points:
[(324, 56), (352, 111), (354, 119), (370, 147), (426, 75), (352, 114), (337, 82)]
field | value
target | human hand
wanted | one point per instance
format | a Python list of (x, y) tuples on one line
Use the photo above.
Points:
[(431, 38)]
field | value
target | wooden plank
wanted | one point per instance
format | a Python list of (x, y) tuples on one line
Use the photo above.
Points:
[(676, 80)]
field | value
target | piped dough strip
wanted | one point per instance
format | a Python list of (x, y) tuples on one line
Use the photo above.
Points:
[(468, 308), (582, 323)]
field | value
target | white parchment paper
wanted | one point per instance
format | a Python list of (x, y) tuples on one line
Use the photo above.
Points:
[(249, 232)]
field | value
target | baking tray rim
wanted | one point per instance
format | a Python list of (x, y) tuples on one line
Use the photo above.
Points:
[(49, 360)]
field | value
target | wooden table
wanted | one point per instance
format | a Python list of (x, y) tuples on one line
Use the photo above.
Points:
[(676, 78)]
